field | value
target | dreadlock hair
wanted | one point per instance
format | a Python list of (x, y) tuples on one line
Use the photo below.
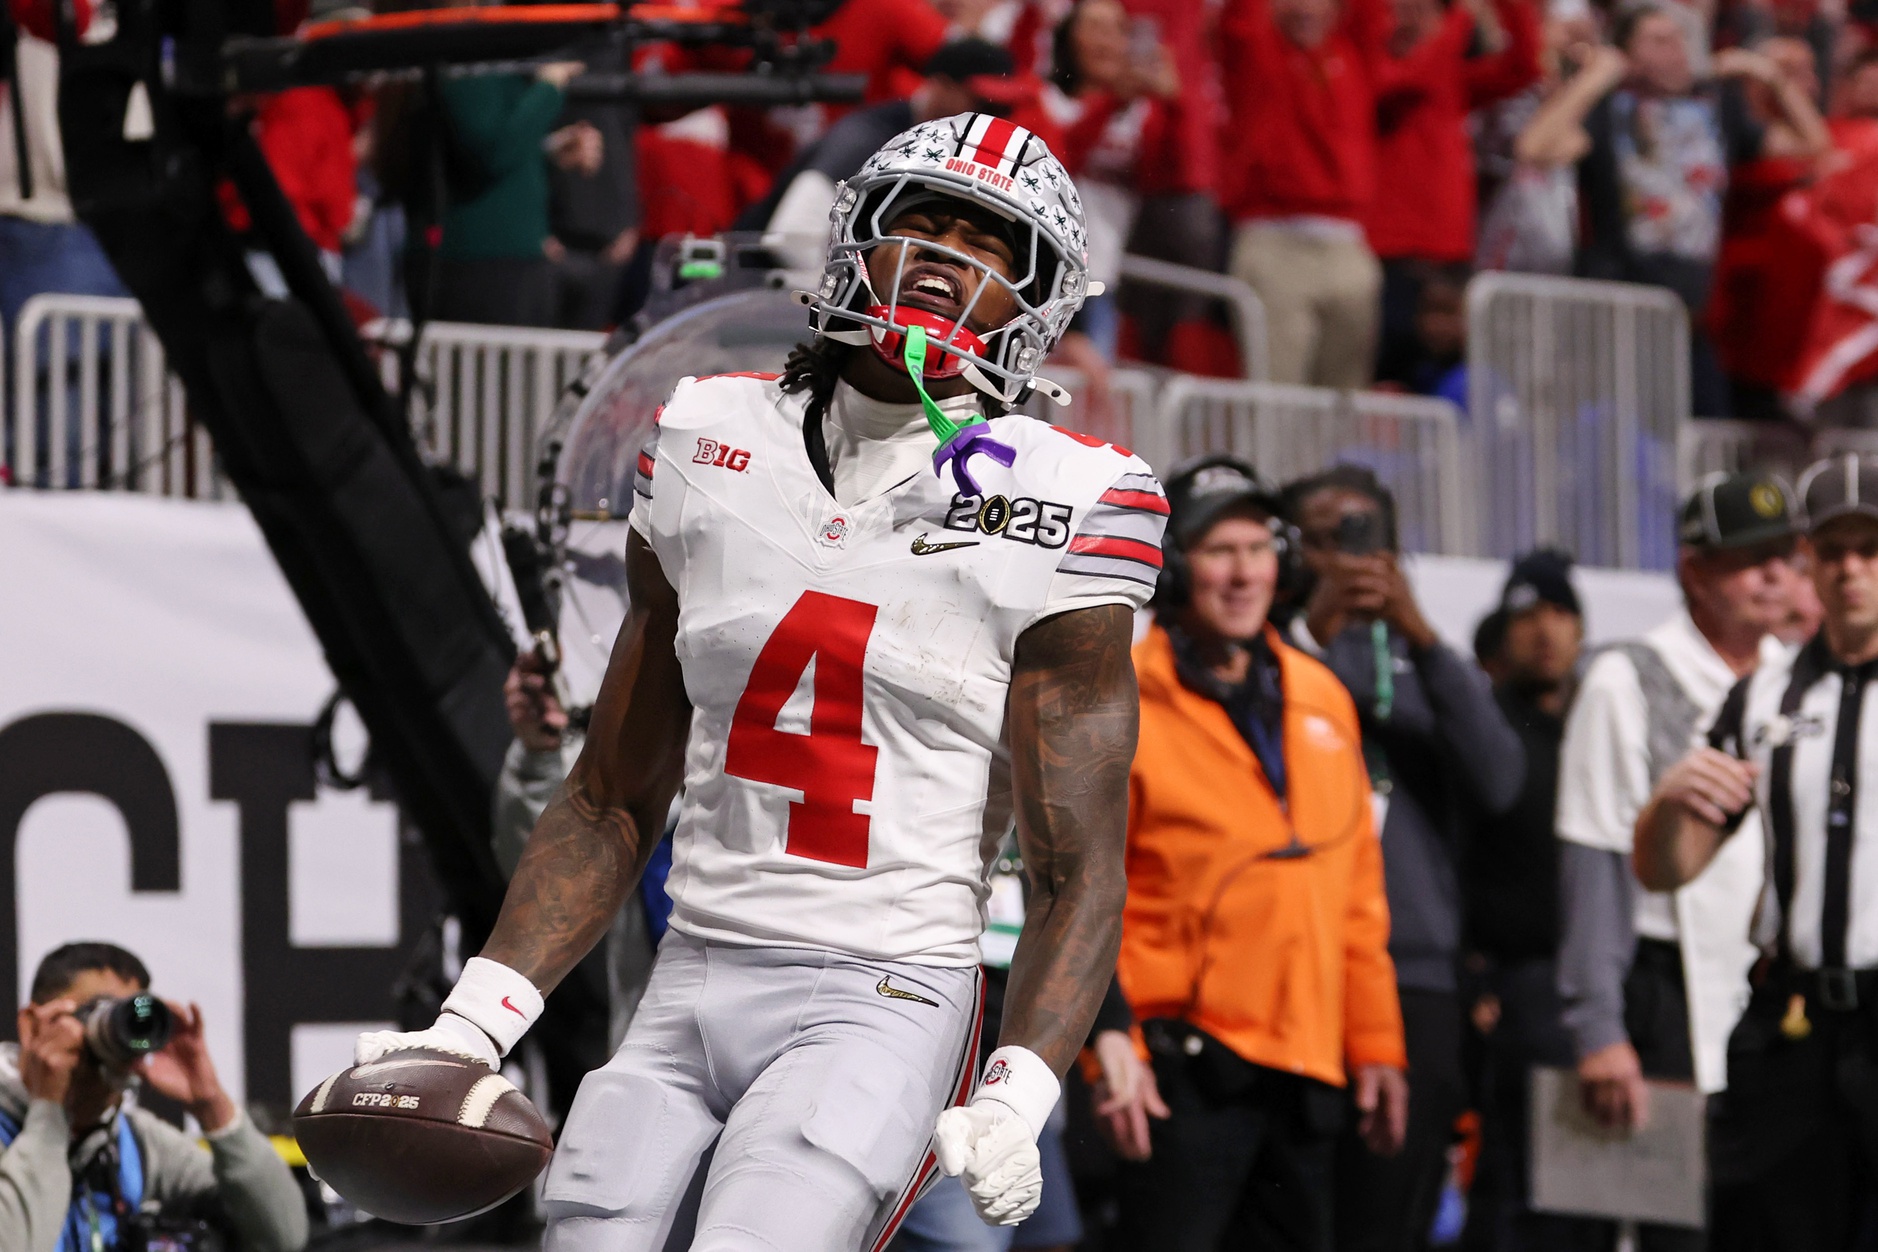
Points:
[(815, 367)]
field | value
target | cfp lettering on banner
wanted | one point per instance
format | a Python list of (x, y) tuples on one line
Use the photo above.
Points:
[(158, 787)]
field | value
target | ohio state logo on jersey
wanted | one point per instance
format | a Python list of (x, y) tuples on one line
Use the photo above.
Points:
[(834, 532), (711, 452)]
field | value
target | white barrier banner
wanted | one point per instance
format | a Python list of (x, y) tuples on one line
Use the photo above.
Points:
[(157, 787)]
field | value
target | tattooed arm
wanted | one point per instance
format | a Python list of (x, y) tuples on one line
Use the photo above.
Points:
[(1073, 713), (593, 840)]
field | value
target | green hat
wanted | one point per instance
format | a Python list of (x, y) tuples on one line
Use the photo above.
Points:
[(1737, 510)]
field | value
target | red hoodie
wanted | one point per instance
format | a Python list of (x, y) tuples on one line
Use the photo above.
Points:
[(1186, 157), (1301, 131), (890, 41), (1424, 155), (1149, 151), (306, 135)]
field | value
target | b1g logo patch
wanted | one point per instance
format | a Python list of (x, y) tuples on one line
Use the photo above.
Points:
[(1042, 522), (711, 452)]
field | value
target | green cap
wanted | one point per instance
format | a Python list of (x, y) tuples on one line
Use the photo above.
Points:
[(1737, 510)]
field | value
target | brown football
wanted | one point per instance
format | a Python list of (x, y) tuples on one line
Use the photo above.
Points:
[(422, 1137)]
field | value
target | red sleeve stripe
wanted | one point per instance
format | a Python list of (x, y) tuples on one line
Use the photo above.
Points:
[(1123, 498), (1126, 549), (645, 465)]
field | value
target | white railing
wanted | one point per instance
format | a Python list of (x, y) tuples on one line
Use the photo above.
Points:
[(1714, 445), (489, 390), (1243, 307), (93, 404), (1579, 432), (1578, 393), (1415, 446)]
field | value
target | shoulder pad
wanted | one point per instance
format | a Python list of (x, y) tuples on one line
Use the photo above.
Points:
[(701, 402)]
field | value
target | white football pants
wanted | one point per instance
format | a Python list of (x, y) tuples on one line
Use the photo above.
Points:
[(774, 1099)]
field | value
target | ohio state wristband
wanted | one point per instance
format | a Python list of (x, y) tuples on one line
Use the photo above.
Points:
[(1018, 1079), (497, 1000)]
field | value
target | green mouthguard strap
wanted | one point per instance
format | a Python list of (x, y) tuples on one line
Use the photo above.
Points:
[(943, 427)]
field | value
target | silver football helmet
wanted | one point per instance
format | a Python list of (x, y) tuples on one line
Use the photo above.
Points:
[(974, 157)]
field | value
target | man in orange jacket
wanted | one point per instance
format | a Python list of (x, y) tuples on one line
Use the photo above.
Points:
[(1255, 938)]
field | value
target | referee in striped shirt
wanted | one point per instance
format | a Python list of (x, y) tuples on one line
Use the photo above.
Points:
[(1793, 1141)]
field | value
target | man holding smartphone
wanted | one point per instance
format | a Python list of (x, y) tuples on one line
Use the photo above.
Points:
[(1438, 750)]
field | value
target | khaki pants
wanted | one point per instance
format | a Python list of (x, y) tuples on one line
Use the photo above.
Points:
[(1323, 301)]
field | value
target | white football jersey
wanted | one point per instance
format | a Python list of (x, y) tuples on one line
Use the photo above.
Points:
[(846, 784)]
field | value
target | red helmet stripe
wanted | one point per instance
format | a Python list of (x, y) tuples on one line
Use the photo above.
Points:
[(1000, 143)]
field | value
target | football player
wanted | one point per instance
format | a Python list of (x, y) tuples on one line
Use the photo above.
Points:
[(864, 657)]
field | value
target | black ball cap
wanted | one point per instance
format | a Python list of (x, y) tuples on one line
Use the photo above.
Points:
[(1542, 576), (1200, 494), (1738, 510), (966, 59), (1840, 486)]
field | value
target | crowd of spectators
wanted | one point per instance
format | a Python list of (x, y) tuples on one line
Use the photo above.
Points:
[(1354, 161)]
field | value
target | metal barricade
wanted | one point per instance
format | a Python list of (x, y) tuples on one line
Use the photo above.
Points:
[(93, 405), (1714, 446), (1578, 394), (1415, 445), (1243, 306), (487, 390), (1722, 446)]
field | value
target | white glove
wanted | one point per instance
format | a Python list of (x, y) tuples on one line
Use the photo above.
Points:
[(451, 1033), (991, 1147), (992, 1141), (486, 1014)]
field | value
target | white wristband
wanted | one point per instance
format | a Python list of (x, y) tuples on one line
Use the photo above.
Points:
[(496, 1000), (1018, 1079)]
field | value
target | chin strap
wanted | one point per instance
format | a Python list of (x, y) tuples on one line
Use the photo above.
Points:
[(957, 442)]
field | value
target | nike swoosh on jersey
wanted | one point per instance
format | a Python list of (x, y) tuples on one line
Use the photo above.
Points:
[(894, 993), (922, 548)]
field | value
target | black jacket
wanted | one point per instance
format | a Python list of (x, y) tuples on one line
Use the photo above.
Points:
[(1441, 751)]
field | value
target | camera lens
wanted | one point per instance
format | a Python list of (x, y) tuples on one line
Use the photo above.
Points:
[(120, 1032)]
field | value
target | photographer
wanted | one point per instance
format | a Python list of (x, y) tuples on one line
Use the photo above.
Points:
[(1439, 751), (82, 1170)]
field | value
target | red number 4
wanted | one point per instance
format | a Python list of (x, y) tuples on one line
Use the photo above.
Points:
[(830, 765)]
